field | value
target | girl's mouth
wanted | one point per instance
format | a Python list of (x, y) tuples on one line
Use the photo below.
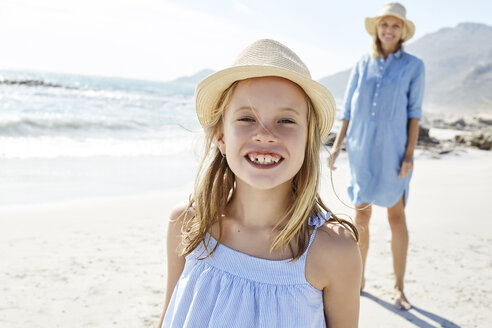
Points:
[(265, 159)]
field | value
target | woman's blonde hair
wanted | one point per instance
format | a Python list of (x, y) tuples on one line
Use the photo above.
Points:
[(215, 185), (377, 49)]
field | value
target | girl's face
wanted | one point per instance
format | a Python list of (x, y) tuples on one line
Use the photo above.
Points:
[(390, 29), (265, 131)]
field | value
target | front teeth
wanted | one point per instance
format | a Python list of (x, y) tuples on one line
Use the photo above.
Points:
[(264, 159)]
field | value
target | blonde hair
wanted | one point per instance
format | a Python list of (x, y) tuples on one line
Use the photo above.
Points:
[(377, 49), (215, 184)]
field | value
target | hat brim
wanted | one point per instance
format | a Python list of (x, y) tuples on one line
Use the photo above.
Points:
[(371, 25), (209, 91)]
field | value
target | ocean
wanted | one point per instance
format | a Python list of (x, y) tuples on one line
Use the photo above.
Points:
[(70, 136), (59, 115), (65, 136)]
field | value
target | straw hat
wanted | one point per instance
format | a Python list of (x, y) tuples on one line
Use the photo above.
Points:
[(265, 58), (391, 9)]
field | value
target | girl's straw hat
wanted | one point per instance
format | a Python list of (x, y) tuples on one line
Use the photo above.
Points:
[(391, 9), (265, 58)]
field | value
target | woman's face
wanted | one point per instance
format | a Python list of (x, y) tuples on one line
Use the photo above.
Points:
[(265, 132), (390, 30)]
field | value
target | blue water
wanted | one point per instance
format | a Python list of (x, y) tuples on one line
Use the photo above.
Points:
[(46, 115)]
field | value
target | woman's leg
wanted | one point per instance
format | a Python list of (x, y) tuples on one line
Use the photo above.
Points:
[(399, 248), (362, 217)]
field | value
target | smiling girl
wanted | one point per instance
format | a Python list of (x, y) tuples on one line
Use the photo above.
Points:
[(255, 246)]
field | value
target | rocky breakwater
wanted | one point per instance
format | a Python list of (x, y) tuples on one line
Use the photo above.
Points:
[(471, 130)]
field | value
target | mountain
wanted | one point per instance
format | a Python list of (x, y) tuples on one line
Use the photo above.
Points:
[(193, 79), (337, 83), (458, 64)]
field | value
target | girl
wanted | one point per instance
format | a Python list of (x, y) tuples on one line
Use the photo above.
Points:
[(383, 105), (253, 247)]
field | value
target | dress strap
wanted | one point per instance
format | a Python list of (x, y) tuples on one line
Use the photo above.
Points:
[(317, 221)]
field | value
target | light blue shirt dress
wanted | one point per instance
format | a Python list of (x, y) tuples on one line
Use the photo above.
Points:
[(381, 96), (231, 289)]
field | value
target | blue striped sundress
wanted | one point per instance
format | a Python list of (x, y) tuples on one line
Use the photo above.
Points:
[(232, 289)]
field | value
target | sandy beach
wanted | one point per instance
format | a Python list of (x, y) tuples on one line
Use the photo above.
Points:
[(449, 264), (100, 262)]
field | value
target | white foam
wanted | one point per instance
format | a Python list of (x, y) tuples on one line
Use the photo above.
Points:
[(60, 146)]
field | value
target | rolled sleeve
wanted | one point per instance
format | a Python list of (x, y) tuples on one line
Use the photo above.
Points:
[(416, 93), (349, 92)]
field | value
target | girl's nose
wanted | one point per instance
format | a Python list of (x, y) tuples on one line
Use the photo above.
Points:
[(265, 134)]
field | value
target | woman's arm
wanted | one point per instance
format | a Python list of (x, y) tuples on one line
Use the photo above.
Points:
[(175, 262), (414, 113), (334, 266), (335, 150), (352, 84), (413, 135)]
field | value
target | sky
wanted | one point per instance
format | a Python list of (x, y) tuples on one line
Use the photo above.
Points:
[(165, 39)]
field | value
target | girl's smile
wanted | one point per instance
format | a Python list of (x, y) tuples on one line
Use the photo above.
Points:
[(264, 160)]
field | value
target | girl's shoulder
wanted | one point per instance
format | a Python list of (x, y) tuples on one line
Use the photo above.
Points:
[(179, 209), (333, 254), (334, 238), (180, 213)]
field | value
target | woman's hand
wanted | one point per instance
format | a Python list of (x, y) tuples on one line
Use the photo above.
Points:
[(406, 166), (337, 145), (413, 135), (332, 158)]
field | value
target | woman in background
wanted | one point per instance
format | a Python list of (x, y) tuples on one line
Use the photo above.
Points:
[(383, 106)]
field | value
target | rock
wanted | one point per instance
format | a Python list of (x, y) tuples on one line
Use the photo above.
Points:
[(423, 132), (424, 138), (330, 140), (480, 140), (485, 121), (445, 151), (33, 83), (458, 124), (460, 139)]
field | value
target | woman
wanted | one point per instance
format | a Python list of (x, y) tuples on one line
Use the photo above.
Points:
[(382, 110)]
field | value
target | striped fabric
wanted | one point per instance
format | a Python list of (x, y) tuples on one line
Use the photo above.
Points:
[(232, 289)]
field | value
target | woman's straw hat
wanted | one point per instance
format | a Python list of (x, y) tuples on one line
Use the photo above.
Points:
[(391, 9), (265, 58)]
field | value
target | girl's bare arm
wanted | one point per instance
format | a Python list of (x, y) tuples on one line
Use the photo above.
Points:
[(175, 262)]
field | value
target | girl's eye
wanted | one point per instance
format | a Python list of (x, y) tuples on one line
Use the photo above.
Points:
[(246, 119), (286, 121)]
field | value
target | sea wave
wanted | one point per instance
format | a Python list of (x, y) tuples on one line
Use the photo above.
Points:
[(45, 115), (170, 143), (53, 126), (32, 83)]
